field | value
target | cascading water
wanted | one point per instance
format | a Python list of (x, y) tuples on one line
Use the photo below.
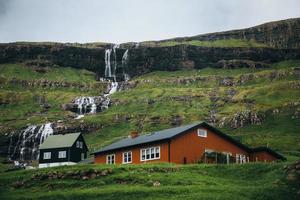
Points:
[(107, 63), (124, 65), (86, 105), (25, 145), (90, 105)]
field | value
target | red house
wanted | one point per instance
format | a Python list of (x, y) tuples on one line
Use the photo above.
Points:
[(194, 143)]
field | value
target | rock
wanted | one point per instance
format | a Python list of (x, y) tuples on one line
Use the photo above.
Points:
[(156, 184), (18, 184), (150, 101), (227, 81), (176, 120), (246, 117), (104, 172), (231, 92), (231, 64), (292, 177)]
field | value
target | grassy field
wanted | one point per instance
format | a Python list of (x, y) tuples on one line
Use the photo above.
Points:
[(159, 181)]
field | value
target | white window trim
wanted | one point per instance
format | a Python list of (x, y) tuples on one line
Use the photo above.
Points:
[(123, 156), (200, 135), (110, 159), (64, 155), (149, 148), (80, 145), (47, 153)]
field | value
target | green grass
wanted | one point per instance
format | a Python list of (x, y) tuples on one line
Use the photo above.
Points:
[(186, 94), (248, 181), (214, 43), (67, 74)]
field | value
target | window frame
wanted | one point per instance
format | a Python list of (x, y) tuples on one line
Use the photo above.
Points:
[(126, 153), (200, 135), (46, 157), (65, 154), (144, 155), (109, 159)]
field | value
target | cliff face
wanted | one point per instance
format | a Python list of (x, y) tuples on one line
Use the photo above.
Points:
[(279, 34), (282, 37)]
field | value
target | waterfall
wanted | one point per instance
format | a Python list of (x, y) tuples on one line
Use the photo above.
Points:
[(115, 47), (90, 105), (85, 105), (124, 65), (107, 63), (113, 87), (24, 145)]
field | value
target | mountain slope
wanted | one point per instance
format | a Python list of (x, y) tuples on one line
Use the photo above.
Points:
[(245, 81), (256, 106)]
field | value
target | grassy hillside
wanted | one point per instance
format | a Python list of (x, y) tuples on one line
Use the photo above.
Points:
[(160, 181), (161, 100), (25, 88)]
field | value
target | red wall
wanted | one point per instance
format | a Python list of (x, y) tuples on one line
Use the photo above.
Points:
[(189, 146), (192, 147), (101, 158), (262, 156)]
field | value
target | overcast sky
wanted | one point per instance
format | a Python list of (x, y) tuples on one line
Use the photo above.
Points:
[(132, 20)]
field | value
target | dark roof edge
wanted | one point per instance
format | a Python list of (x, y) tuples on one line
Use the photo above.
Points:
[(266, 149), (136, 145), (217, 131), (183, 132)]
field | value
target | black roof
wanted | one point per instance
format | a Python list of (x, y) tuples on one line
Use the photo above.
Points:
[(165, 135)]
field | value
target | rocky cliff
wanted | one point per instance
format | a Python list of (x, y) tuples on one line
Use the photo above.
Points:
[(279, 34), (282, 37)]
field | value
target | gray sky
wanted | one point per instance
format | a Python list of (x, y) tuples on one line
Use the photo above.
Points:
[(132, 20)]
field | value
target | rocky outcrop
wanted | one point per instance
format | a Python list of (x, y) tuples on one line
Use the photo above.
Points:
[(231, 64), (282, 37), (278, 34), (246, 117)]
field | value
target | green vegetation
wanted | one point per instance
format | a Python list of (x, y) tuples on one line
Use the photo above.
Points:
[(20, 101), (214, 43), (159, 181), (159, 99)]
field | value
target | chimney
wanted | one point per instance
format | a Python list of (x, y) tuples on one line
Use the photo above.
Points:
[(134, 134)]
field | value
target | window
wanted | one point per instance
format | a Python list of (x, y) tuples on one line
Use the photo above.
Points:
[(151, 153), (77, 144), (62, 154), (127, 157), (47, 155), (202, 133), (110, 159), (80, 145), (240, 158), (82, 156)]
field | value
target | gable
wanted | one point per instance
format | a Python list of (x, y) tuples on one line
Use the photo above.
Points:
[(60, 141), (81, 139)]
